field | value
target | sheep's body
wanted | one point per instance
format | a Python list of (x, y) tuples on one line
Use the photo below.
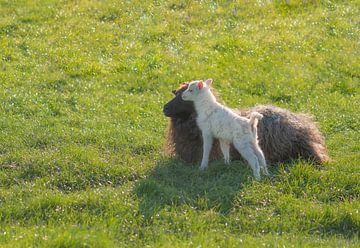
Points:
[(283, 136), (218, 121)]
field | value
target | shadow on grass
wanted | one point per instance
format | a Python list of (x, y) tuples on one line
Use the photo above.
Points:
[(172, 182), (287, 202)]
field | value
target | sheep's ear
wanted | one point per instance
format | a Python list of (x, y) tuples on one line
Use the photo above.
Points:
[(174, 92), (200, 85), (209, 82)]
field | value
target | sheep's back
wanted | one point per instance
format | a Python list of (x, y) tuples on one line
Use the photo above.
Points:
[(283, 136)]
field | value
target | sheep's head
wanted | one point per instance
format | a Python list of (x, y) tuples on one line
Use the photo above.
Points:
[(195, 89), (177, 107)]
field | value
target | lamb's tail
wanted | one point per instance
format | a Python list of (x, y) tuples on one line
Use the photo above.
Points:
[(254, 119)]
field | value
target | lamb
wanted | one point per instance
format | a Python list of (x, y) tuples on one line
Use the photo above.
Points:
[(283, 135), (216, 120)]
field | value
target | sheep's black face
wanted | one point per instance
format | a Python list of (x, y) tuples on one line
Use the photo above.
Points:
[(177, 107)]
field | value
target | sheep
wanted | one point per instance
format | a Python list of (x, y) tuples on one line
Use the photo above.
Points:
[(217, 121), (283, 135)]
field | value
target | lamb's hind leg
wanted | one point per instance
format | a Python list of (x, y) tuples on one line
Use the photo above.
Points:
[(248, 153), (261, 158), (225, 148)]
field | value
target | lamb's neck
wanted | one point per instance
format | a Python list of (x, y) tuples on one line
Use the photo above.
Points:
[(205, 105)]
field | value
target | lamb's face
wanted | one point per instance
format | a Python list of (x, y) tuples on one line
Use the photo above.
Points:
[(193, 91)]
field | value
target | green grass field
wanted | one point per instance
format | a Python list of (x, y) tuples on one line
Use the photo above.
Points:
[(82, 85)]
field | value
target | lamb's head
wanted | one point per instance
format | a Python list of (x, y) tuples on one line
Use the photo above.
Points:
[(177, 107), (196, 90)]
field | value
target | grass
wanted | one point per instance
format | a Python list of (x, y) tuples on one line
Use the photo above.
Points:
[(82, 89)]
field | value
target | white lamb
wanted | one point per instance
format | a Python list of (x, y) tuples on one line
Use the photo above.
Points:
[(216, 120)]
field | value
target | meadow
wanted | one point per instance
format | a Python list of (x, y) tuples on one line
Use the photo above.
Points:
[(82, 86)]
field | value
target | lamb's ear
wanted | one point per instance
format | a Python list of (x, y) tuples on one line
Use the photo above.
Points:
[(209, 82), (200, 85)]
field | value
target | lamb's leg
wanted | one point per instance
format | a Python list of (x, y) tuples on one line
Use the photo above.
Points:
[(261, 158), (207, 144), (225, 148), (249, 155)]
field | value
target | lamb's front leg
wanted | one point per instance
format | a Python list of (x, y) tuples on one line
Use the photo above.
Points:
[(207, 144), (225, 148)]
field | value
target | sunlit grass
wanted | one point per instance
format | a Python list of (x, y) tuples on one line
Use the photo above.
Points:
[(82, 130)]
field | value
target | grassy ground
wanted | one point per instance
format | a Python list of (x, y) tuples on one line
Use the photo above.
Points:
[(81, 126)]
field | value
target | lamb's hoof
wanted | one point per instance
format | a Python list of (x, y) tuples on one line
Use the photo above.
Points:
[(202, 167), (257, 177), (227, 162)]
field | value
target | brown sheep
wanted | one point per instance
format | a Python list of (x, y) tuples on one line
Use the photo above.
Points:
[(283, 135)]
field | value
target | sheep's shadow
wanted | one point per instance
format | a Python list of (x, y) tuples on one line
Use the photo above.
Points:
[(173, 182)]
